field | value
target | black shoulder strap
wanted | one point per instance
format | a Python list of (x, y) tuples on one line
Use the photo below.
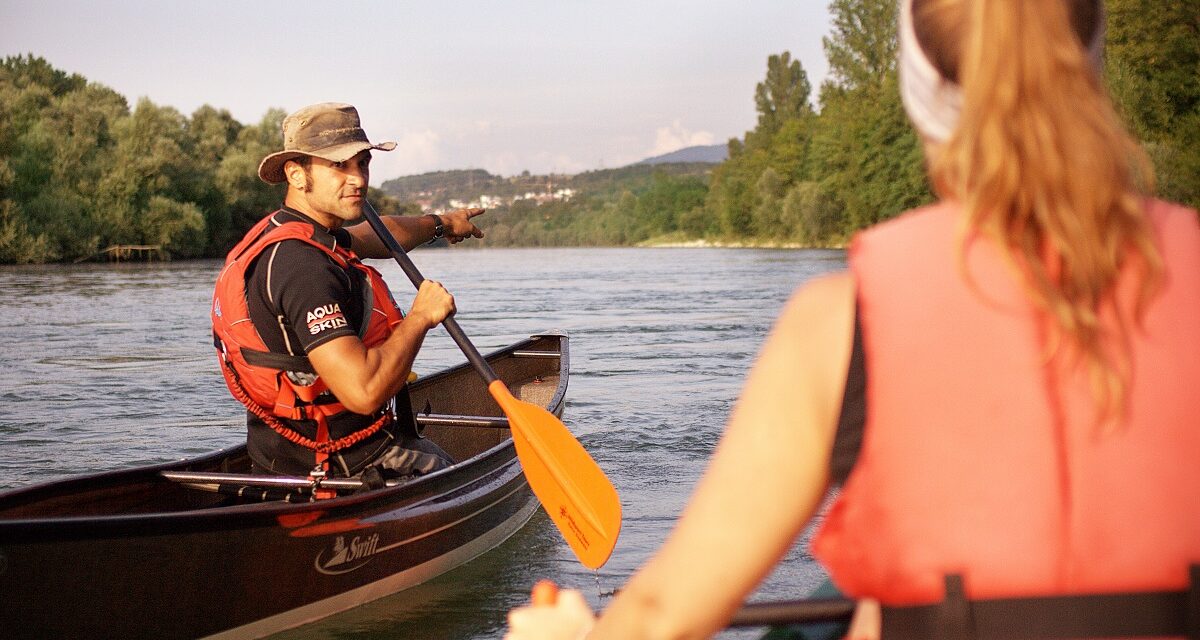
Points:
[(847, 441)]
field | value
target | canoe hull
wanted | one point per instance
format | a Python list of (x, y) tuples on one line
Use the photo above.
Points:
[(247, 570)]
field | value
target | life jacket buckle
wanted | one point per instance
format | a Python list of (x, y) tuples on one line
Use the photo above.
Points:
[(955, 621), (316, 476), (221, 349)]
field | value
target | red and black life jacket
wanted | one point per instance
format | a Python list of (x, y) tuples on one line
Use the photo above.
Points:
[(259, 378)]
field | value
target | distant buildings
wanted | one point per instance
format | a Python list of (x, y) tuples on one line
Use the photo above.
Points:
[(426, 200)]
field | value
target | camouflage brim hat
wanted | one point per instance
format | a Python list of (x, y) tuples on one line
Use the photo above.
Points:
[(329, 130)]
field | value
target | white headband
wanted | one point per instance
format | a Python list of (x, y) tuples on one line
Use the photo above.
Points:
[(932, 102)]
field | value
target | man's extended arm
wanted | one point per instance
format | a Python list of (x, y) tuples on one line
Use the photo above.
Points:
[(413, 231)]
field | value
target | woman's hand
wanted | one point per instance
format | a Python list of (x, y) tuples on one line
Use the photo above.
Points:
[(569, 618), (867, 621)]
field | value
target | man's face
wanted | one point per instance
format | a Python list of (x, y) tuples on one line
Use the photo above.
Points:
[(334, 191)]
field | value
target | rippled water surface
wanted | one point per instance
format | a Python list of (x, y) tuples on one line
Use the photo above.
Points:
[(111, 366)]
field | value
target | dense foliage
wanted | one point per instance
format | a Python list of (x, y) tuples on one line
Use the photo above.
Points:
[(80, 170), (815, 178), (1153, 69)]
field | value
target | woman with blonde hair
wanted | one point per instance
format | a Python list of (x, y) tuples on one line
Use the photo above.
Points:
[(1023, 359)]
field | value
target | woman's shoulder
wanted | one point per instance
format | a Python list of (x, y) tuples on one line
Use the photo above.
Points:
[(1172, 212), (941, 214), (924, 230)]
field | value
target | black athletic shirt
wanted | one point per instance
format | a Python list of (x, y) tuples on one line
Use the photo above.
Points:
[(300, 298)]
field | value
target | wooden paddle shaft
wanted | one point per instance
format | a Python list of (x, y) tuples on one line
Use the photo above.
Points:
[(410, 269)]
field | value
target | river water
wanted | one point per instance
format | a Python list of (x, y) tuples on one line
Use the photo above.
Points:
[(111, 366)]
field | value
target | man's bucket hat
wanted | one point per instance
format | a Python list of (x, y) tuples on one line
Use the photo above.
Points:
[(330, 131)]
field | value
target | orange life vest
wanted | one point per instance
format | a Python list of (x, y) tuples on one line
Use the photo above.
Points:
[(981, 456), (259, 378)]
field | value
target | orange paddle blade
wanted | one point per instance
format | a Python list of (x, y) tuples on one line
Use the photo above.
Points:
[(572, 488)]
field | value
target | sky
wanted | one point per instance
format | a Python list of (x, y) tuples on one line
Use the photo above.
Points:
[(508, 85)]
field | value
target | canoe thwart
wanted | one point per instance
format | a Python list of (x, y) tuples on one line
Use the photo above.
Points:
[(251, 480), (447, 420)]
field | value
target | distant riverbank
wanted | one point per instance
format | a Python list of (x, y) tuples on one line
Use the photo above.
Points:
[(668, 242)]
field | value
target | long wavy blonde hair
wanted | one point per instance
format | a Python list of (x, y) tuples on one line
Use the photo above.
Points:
[(1041, 163)]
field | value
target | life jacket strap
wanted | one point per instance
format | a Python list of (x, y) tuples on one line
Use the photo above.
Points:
[(328, 446), (321, 456), (280, 361), (1155, 613)]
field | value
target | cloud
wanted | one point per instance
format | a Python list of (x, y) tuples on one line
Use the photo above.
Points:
[(676, 137), (416, 152), (507, 163), (479, 127)]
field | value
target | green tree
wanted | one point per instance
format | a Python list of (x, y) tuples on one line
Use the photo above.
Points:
[(864, 152), (176, 226), (55, 144), (783, 95), (770, 188), (658, 208), (30, 70), (745, 191), (1153, 68), (148, 161), (731, 197), (861, 48), (17, 244), (248, 199), (811, 213), (208, 136)]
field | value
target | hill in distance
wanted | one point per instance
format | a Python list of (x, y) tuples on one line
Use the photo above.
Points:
[(439, 190), (713, 153)]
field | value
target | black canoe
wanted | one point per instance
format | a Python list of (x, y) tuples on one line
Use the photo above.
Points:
[(153, 552)]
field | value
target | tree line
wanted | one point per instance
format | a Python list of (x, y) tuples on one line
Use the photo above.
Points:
[(81, 170)]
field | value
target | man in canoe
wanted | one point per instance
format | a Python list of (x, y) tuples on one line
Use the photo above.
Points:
[(308, 336)]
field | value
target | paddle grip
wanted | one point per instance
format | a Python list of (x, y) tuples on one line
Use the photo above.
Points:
[(406, 264)]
